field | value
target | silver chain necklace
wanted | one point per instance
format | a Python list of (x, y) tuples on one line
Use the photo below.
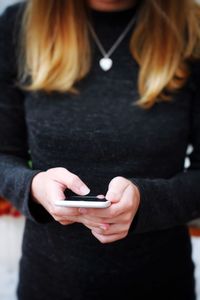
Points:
[(106, 62)]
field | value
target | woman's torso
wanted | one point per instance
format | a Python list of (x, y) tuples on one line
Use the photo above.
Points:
[(98, 134)]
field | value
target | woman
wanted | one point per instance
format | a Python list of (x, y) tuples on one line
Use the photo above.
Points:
[(103, 97)]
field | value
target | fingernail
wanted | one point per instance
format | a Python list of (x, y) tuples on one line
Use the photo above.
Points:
[(84, 190), (104, 226), (100, 196), (83, 210)]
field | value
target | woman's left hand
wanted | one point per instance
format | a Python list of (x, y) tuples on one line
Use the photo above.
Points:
[(116, 219)]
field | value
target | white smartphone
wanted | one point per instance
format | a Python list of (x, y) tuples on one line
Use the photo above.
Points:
[(84, 201)]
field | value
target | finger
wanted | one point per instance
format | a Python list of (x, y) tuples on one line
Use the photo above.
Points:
[(110, 212), (116, 188), (128, 205), (122, 218), (89, 223), (64, 212), (110, 238), (69, 180), (113, 211), (54, 193), (120, 212), (65, 222), (61, 212), (93, 219), (97, 228), (112, 229), (61, 217)]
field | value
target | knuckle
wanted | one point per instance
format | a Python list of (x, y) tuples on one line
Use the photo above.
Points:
[(63, 222), (72, 212), (119, 178), (50, 171), (129, 203), (68, 213), (57, 219), (56, 170), (129, 207), (59, 169), (127, 218), (103, 239), (97, 230), (115, 179), (91, 224), (130, 216), (74, 180), (54, 212), (114, 213), (88, 224)]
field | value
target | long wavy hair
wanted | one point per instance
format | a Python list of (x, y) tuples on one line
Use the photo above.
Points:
[(56, 48)]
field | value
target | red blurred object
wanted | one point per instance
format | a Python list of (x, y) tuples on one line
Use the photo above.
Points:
[(6, 208), (194, 231)]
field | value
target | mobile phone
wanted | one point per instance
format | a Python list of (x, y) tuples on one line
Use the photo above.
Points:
[(84, 201)]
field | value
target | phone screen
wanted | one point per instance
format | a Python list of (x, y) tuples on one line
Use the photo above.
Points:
[(86, 198), (84, 201)]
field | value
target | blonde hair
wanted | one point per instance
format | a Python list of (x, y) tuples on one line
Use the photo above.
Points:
[(56, 50)]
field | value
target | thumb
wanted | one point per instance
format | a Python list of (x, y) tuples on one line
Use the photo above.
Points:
[(116, 188), (70, 181)]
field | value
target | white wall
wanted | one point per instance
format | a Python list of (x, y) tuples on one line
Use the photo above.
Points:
[(11, 232), (4, 3)]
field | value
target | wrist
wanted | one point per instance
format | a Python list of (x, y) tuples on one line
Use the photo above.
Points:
[(35, 186), (136, 195)]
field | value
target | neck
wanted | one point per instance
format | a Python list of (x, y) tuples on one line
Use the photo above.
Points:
[(111, 5)]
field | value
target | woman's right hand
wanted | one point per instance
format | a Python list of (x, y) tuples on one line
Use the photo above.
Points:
[(49, 186)]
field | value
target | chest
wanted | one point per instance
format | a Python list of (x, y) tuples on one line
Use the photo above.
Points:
[(103, 114)]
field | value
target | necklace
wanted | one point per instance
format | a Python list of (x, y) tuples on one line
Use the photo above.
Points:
[(106, 62)]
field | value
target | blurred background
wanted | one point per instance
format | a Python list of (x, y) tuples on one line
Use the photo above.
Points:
[(12, 226)]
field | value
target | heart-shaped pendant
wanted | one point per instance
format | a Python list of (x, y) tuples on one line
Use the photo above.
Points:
[(106, 63)]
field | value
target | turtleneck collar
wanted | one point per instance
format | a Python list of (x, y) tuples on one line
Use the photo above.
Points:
[(113, 17)]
